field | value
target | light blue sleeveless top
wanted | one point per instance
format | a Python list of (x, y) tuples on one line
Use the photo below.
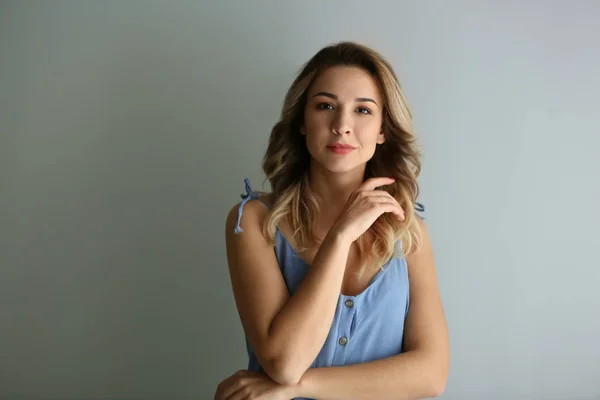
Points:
[(366, 327)]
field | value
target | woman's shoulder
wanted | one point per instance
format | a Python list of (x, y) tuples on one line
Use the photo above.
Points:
[(259, 206), (251, 210), (244, 227)]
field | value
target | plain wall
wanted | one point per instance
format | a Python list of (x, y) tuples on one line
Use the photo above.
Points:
[(127, 128)]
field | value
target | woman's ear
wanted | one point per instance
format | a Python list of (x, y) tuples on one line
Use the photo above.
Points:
[(381, 137)]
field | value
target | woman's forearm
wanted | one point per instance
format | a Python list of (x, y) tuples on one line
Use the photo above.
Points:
[(410, 375), (300, 329)]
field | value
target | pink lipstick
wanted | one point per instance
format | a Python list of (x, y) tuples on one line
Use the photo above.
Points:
[(339, 148)]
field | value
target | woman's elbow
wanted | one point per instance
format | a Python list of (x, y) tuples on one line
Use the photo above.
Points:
[(283, 372), (438, 387), (437, 383)]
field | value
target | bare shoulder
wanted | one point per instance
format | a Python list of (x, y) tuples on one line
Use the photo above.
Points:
[(423, 253), (253, 214), (244, 231)]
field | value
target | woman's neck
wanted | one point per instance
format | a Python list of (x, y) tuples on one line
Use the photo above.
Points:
[(333, 189)]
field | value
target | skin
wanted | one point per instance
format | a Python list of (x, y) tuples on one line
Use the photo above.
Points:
[(338, 112), (287, 332)]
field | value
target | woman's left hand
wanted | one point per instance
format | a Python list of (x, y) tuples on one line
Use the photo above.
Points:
[(247, 385)]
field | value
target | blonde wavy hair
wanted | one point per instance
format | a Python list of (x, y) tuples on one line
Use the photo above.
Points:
[(287, 161)]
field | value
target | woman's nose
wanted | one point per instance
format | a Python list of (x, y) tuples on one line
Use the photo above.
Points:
[(341, 123)]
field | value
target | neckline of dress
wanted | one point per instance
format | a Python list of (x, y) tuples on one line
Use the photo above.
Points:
[(375, 278)]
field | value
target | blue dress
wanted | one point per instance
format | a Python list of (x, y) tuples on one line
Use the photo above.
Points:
[(365, 327)]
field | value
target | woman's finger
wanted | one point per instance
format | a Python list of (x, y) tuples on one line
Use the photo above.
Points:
[(394, 209), (246, 387), (232, 385), (372, 183), (384, 197)]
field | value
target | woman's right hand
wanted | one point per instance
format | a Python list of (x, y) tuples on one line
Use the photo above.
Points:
[(363, 208)]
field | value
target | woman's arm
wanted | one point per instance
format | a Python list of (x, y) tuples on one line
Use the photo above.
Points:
[(421, 371), (286, 333)]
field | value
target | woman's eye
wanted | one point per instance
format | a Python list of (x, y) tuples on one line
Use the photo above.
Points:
[(328, 106)]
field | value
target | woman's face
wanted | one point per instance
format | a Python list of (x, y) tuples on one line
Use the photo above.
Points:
[(342, 119)]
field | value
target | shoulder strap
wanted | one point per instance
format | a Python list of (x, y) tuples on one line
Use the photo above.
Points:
[(246, 197), (420, 208)]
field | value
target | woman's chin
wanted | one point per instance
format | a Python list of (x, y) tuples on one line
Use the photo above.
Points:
[(341, 167)]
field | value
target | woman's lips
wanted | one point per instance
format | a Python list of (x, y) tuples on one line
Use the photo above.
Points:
[(340, 149)]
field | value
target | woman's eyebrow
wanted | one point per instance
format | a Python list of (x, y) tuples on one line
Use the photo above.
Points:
[(333, 96)]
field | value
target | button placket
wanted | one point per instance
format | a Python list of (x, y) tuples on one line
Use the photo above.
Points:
[(344, 338)]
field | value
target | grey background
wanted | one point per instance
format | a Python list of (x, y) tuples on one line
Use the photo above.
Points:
[(127, 128)]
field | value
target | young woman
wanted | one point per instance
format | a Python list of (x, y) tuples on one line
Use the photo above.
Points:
[(332, 272)]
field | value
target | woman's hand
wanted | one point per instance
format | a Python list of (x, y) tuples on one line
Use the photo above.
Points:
[(247, 385), (364, 206)]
